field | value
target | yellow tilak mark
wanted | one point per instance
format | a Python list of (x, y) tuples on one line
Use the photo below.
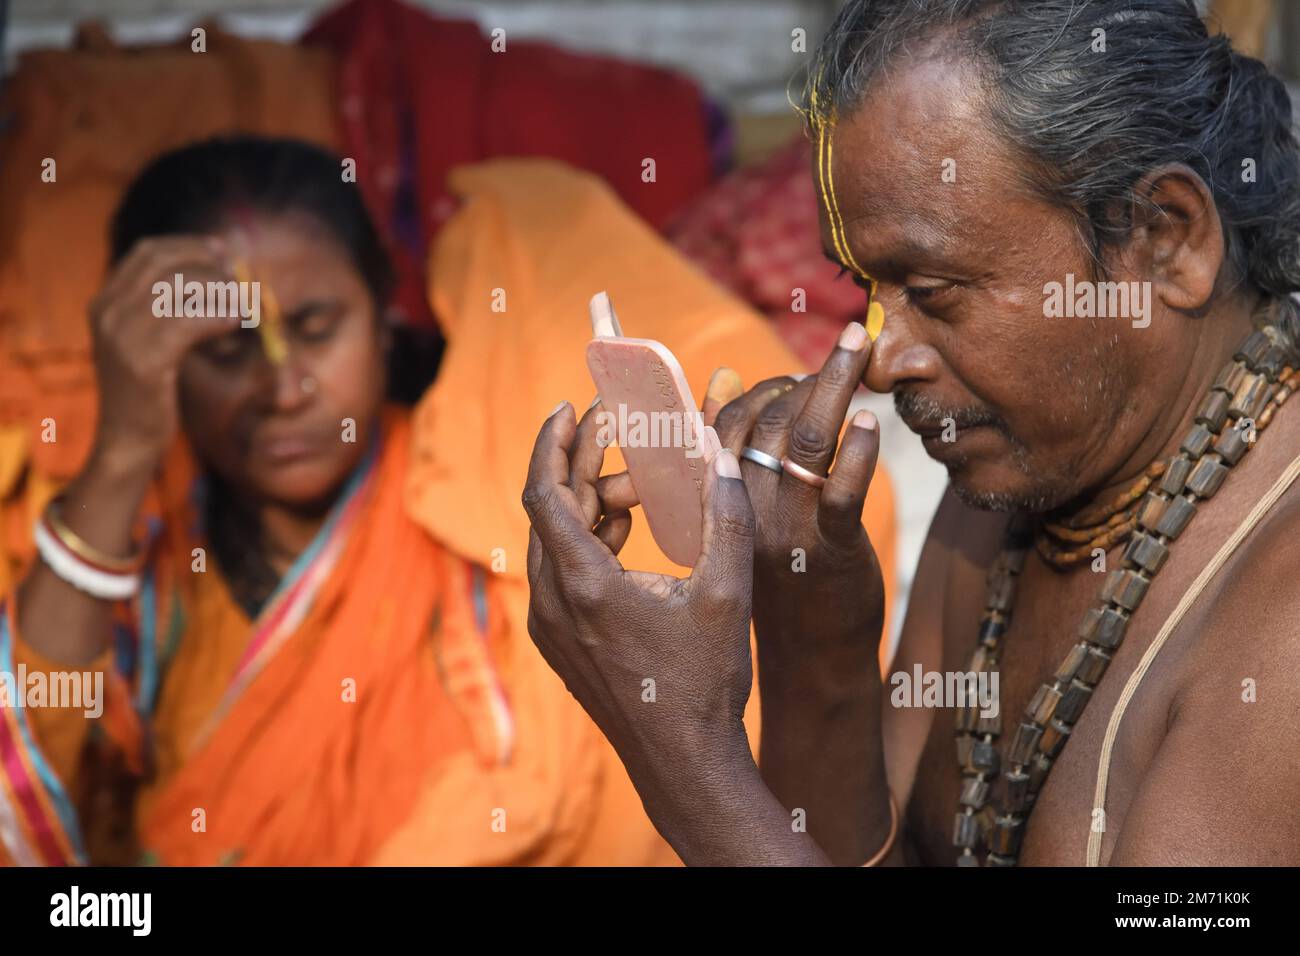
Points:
[(875, 319), (269, 328), (875, 312)]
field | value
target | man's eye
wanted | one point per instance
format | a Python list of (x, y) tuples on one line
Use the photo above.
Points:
[(928, 293)]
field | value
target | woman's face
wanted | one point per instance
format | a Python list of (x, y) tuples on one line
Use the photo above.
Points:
[(289, 434)]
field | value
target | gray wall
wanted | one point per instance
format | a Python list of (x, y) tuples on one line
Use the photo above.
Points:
[(739, 50)]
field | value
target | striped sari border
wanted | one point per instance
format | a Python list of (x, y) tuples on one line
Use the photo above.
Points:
[(26, 773)]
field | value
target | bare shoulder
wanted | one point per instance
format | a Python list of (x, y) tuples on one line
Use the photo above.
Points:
[(1251, 613), (1218, 789)]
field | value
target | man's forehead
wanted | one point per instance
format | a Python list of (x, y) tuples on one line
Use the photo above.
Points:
[(917, 167), (924, 230)]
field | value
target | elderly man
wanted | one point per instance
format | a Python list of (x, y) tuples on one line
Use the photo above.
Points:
[(1082, 221)]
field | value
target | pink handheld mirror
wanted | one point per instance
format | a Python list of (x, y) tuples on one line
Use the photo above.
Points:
[(649, 412)]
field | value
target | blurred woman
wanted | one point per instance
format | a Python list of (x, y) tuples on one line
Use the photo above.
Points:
[(297, 671)]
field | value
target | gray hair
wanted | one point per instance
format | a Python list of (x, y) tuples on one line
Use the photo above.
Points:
[(1092, 124)]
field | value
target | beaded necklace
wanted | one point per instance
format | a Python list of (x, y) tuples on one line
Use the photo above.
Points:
[(1248, 392)]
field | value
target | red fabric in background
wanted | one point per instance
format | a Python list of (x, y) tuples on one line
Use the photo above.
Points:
[(756, 233), (419, 95)]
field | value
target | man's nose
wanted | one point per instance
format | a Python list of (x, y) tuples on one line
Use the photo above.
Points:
[(899, 353)]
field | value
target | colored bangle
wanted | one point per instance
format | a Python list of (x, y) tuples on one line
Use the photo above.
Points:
[(893, 833), (87, 552), (72, 569)]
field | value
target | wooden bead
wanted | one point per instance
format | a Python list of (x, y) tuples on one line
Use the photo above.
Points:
[(966, 717), (1024, 743), (1233, 444), (1070, 666), (991, 631), (989, 726), (1093, 667), (1250, 398), (1006, 836), (1272, 364), (1073, 701), (1038, 770), (1104, 627), (1175, 518), (974, 792), (964, 830), (1126, 588), (1054, 737), (1253, 349), (1146, 552), (1213, 412), (965, 744), (985, 758), (1153, 509), (1175, 475), (1230, 377), (1206, 477), (1043, 704), (1015, 791), (1001, 591), (1197, 441)]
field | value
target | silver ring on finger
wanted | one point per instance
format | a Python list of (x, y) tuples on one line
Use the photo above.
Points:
[(770, 462)]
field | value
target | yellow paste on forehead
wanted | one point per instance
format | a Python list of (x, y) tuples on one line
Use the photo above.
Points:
[(269, 326), (875, 312)]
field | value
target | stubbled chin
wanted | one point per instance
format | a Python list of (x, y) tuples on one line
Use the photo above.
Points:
[(1005, 493)]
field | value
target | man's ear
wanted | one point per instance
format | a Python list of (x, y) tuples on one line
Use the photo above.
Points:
[(1177, 236)]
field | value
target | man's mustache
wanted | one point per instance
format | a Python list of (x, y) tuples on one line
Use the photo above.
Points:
[(922, 413)]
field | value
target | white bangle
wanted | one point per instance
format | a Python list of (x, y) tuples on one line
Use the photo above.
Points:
[(101, 584)]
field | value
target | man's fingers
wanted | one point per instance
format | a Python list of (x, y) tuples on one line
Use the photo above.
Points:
[(839, 510), (616, 493), (817, 427), (735, 420), (724, 386), (725, 567), (585, 460), (552, 507), (771, 430), (613, 530)]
